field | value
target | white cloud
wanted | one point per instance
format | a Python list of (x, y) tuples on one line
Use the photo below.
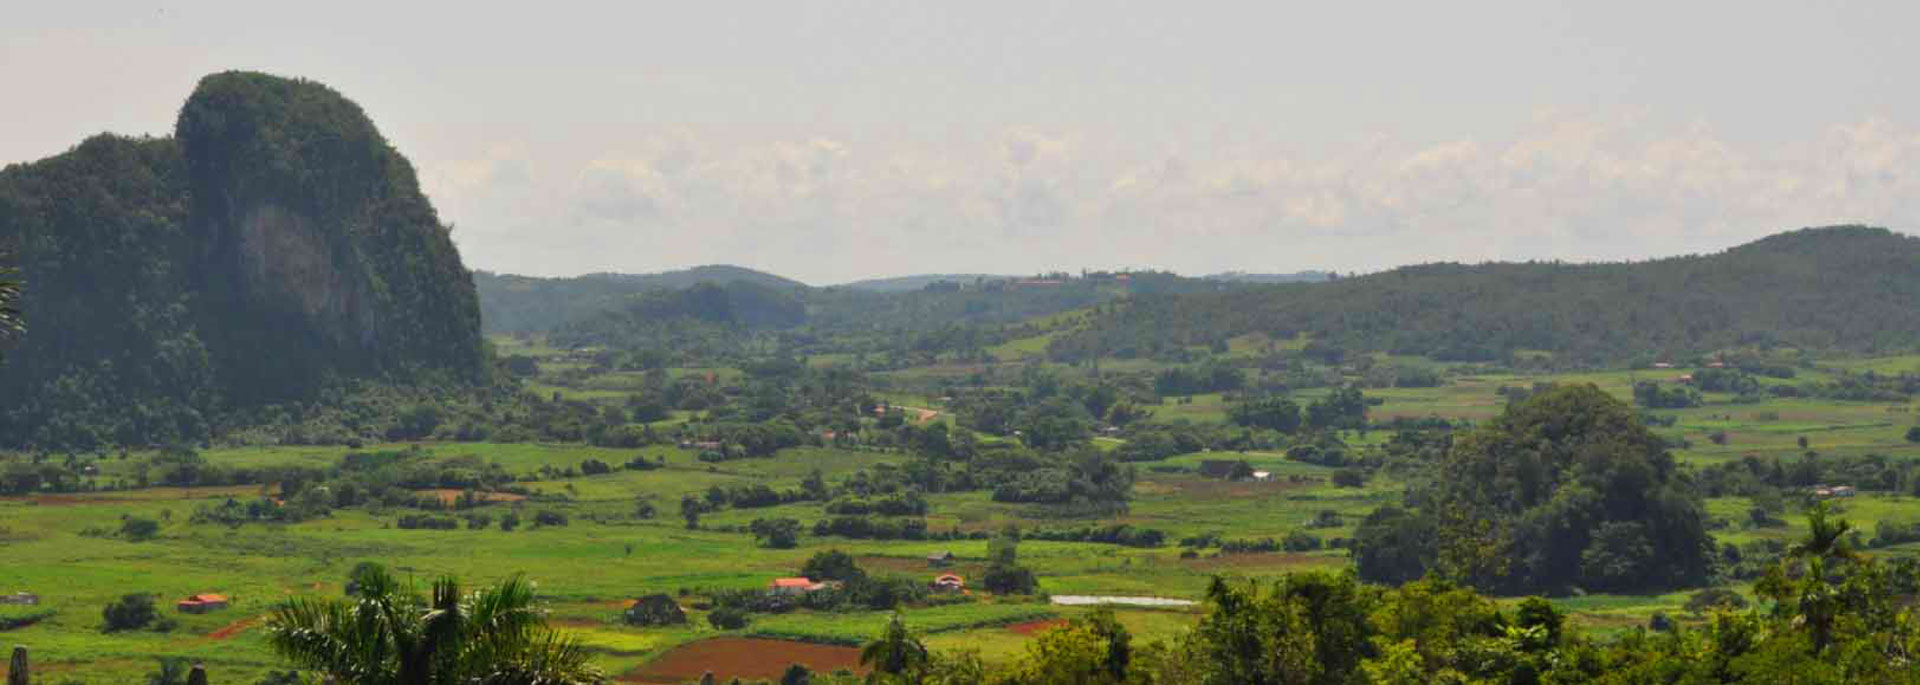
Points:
[(827, 209)]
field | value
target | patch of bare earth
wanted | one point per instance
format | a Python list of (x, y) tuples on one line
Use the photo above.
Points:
[(1035, 627), (449, 496), (743, 658)]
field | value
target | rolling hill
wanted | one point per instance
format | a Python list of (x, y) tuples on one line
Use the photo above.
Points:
[(1850, 288)]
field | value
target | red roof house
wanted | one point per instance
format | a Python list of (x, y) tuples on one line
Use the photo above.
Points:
[(794, 586), (200, 604)]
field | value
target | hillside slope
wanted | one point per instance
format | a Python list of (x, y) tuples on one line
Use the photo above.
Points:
[(276, 245), (1845, 288), (525, 304)]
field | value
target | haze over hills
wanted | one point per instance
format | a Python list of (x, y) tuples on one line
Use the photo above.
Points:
[(916, 281), (275, 247), (1245, 277)]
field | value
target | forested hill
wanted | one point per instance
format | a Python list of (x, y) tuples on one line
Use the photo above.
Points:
[(511, 304), (902, 284), (275, 246), (1847, 288)]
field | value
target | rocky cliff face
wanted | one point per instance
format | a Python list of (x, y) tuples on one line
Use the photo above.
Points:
[(275, 245), (315, 223)]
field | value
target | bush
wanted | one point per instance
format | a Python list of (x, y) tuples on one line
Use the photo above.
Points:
[(780, 533), (1660, 623), (654, 610), (1913, 435), (1301, 541), (549, 517), (1349, 478), (594, 467), (130, 612), (727, 618), (427, 522), (1010, 579), (832, 565), (1326, 518), (1713, 598), (139, 529)]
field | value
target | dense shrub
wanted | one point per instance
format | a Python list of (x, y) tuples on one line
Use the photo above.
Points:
[(427, 522), (726, 618), (130, 612)]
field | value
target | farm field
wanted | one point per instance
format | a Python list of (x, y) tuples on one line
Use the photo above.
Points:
[(65, 547)]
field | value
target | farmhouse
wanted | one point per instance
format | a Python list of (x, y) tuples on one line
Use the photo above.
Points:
[(203, 603), (949, 583), (794, 586), (1263, 476), (940, 558), (20, 598)]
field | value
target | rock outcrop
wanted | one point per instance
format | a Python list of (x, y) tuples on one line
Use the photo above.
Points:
[(275, 245)]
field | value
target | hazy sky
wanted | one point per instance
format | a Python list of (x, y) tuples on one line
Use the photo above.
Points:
[(833, 141)]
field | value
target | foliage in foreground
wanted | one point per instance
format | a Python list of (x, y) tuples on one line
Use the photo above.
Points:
[(1833, 616), (390, 634)]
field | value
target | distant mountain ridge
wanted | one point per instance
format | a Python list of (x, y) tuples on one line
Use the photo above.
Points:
[(916, 281), (1852, 288), (709, 273), (510, 303), (1295, 277)]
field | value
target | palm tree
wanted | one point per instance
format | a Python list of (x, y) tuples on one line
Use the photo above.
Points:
[(1826, 537), (895, 652), (391, 635)]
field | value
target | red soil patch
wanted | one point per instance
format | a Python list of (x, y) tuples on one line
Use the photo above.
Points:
[(449, 495), (1033, 627), (235, 628), (744, 658)]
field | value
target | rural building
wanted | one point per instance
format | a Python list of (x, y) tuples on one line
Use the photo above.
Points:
[(940, 558), (949, 583), (1842, 491), (1263, 476), (200, 604), (21, 598), (794, 586)]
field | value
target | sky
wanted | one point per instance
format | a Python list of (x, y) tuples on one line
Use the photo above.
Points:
[(832, 141)]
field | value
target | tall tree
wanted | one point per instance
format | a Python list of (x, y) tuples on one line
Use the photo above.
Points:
[(392, 635), (897, 652)]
